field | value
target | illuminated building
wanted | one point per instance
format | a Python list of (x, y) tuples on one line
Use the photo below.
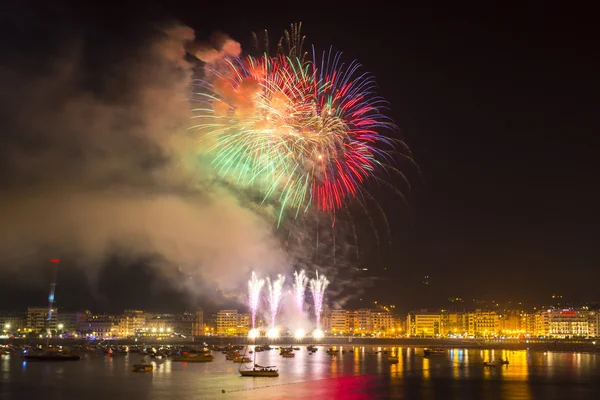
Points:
[(398, 325), (568, 323), (423, 324), (381, 321), (37, 319), (227, 322), (529, 324), (453, 323), (244, 322), (170, 324), (351, 320), (512, 324), (101, 326), (483, 323), (542, 324), (15, 322), (594, 323), (338, 321), (363, 321), (133, 321)]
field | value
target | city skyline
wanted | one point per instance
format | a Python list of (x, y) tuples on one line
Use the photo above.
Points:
[(377, 321)]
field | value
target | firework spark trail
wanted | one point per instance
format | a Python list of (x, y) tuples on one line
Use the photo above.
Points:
[(317, 288), (300, 281), (299, 131), (254, 287), (275, 296)]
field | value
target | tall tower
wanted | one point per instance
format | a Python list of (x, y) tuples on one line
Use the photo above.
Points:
[(54, 263)]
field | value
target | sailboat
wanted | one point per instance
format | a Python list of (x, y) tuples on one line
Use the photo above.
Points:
[(259, 370)]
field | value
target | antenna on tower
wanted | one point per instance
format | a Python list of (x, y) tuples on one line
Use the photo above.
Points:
[(54, 261)]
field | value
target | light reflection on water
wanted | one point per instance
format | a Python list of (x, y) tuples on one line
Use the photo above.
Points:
[(357, 375)]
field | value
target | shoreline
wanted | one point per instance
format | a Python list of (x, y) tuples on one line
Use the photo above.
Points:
[(555, 345)]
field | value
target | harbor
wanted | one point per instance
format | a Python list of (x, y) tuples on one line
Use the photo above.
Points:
[(369, 371)]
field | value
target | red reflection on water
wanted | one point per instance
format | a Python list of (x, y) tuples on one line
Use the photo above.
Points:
[(348, 388), (353, 387)]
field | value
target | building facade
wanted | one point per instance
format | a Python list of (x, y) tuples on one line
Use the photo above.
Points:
[(381, 321), (227, 322), (198, 327), (453, 323), (423, 324), (13, 323), (338, 322), (570, 323), (37, 319)]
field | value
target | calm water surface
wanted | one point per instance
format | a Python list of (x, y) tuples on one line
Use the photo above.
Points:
[(358, 375)]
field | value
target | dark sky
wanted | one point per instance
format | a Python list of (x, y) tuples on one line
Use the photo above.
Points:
[(500, 109)]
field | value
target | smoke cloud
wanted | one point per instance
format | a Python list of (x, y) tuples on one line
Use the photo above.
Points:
[(96, 160), (220, 47), (98, 167)]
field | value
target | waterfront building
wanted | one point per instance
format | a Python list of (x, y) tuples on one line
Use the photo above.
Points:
[(529, 323), (325, 321), (594, 324), (244, 323), (453, 323), (351, 321), (12, 323), (423, 324), (381, 321), (363, 321), (198, 327), (569, 323), (512, 324), (170, 324), (227, 322), (338, 322), (133, 321), (101, 326), (67, 321), (483, 323), (542, 323), (398, 325), (37, 319)]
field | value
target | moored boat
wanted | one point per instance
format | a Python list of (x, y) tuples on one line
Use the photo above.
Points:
[(259, 370), (434, 352), (52, 357), (142, 368)]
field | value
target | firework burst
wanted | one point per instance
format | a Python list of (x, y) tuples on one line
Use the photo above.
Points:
[(298, 131)]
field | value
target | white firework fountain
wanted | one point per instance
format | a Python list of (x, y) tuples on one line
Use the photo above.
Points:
[(254, 287), (275, 296), (300, 282), (317, 288)]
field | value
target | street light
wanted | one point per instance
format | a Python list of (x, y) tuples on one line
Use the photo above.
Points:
[(7, 326), (60, 327)]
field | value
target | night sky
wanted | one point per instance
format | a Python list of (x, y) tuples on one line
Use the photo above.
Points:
[(498, 106)]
